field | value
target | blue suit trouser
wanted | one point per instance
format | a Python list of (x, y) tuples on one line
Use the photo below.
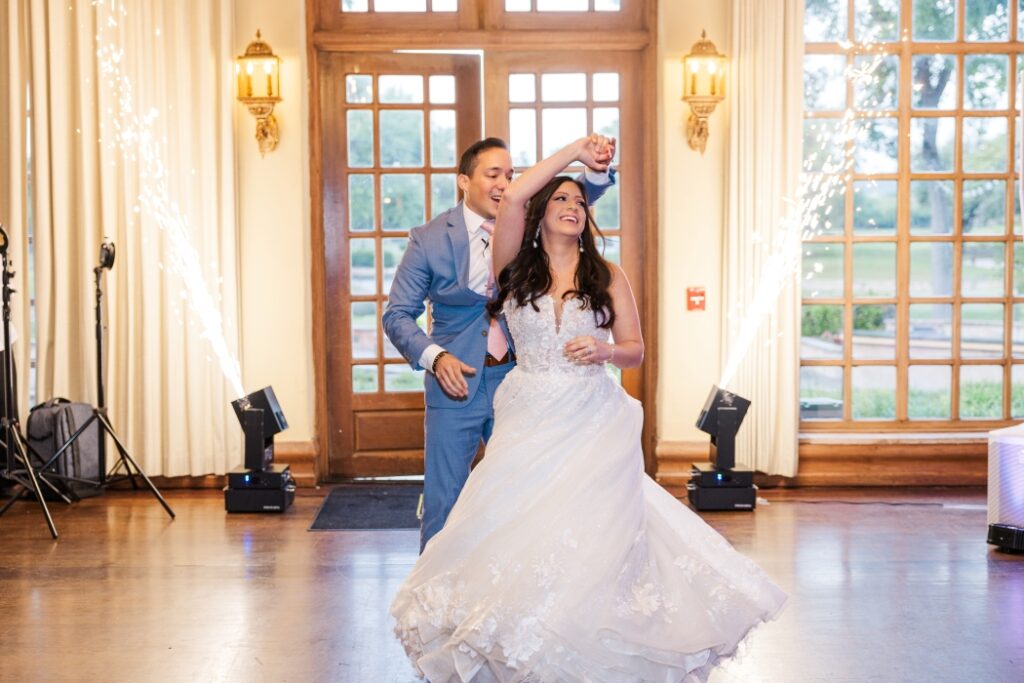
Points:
[(452, 437)]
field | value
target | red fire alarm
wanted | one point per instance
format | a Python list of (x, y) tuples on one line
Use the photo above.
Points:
[(695, 298)]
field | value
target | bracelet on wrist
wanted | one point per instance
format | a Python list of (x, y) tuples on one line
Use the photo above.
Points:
[(433, 366)]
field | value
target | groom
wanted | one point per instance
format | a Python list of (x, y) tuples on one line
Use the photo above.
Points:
[(448, 262)]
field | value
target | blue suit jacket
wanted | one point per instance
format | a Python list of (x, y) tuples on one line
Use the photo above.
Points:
[(436, 268)]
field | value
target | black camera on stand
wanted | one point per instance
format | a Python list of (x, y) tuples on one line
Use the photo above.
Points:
[(716, 485), (260, 484)]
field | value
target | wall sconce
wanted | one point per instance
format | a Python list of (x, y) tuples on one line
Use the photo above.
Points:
[(258, 76), (703, 88)]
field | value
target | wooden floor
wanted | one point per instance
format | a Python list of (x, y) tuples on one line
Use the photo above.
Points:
[(885, 586)]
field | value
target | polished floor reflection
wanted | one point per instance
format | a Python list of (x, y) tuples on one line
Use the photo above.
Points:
[(884, 585)]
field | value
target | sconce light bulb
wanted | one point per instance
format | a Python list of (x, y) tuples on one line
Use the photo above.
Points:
[(248, 68), (268, 68), (711, 67), (238, 69)]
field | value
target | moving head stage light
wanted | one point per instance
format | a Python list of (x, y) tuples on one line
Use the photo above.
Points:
[(716, 485), (1006, 488), (259, 485)]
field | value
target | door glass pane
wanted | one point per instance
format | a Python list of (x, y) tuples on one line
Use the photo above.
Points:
[(934, 20), (880, 90), (934, 82), (442, 138), (562, 5), (358, 89), (985, 145), (876, 149), (874, 331), (354, 5), (400, 89), (606, 211), (392, 250), (930, 388), (607, 5), (401, 134), (987, 20), (821, 332), (874, 392), (981, 392), (360, 202), (563, 87), (611, 248), (931, 207), (605, 87), (876, 21), (822, 270), (824, 82), (984, 207), (981, 331), (444, 5), (874, 207), (362, 264), (364, 329), (1018, 268), (402, 200), (825, 21), (522, 88), (517, 5), (360, 138), (442, 87), (400, 5), (606, 122), (402, 378), (442, 192), (364, 378), (985, 82), (982, 273), (821, 393), (874, 270), (931, 330), (522, 125), (824, 145), (562, 126), (931, 145)]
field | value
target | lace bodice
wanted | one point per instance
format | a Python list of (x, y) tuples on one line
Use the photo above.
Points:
[(540, 338)]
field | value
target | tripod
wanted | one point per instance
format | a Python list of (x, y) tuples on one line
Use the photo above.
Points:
[(18, 466), (99, 415)]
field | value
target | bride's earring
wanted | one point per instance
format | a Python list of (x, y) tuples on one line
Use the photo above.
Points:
[(535, 236), (581, 243)]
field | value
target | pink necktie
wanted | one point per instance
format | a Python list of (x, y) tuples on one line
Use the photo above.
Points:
[(496, 344)]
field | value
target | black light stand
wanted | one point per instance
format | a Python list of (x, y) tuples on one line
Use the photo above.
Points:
[(716, 485), (99, 413), (18, 466)]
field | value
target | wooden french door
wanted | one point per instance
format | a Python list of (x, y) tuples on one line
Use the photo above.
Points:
[(393, 126)]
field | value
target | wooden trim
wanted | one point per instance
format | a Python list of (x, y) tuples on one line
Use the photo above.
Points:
[(649, 89), (300, 455), (492, 41), (836, 463)]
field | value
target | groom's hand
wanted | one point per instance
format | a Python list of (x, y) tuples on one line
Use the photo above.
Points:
[(449, 373)]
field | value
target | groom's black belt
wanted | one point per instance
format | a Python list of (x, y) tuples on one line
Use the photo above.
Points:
[(490, 361)]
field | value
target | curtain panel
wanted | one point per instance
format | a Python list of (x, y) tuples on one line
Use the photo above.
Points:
[(763, 186), (117, 124)]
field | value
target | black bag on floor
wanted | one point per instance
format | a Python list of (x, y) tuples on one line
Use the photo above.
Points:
[(49, 427)]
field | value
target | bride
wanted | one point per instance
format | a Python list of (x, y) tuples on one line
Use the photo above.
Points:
[(562, 561)]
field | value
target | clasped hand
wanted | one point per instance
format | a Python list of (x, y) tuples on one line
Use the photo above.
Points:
[(586, 350), (597, 151)]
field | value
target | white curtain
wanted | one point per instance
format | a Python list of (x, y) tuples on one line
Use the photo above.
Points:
[(764, 170), (131, 140)]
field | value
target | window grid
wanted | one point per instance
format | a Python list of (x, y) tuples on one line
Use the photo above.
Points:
[(816, 411)]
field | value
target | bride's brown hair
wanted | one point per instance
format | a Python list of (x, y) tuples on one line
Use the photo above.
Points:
[(528, 276)]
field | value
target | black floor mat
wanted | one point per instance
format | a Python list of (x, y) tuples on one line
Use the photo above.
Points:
[(369, 506)]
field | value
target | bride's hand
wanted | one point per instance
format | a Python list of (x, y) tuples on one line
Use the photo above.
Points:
[(587, 351), (596, 151)]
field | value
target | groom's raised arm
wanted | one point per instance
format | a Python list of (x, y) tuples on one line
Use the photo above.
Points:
[(409, 291)]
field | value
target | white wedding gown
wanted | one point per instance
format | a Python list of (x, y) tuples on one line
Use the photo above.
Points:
[(562, 561)]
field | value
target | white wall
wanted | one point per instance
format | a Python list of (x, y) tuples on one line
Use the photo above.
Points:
[(273, 199), (692, 194), (274, 218)]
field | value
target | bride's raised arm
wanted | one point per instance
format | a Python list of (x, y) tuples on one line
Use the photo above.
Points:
[(511, 220)]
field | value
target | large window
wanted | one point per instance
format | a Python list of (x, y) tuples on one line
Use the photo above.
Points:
[(913, 281)]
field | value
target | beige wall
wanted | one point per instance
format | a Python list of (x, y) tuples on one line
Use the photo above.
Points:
[(273, 199), (274, 224), (692, 193)]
